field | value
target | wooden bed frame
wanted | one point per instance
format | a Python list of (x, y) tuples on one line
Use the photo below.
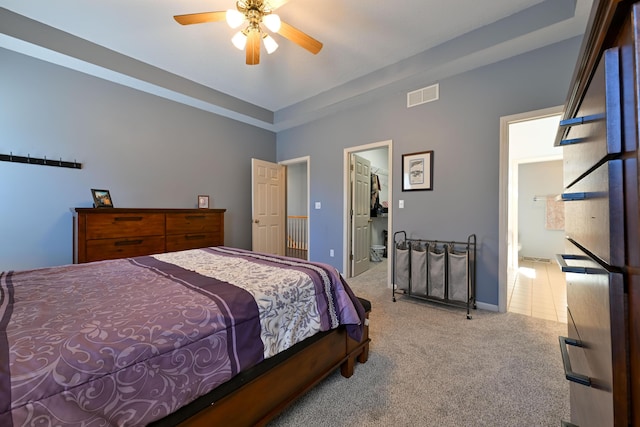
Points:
[(267, 395), (269, 389)]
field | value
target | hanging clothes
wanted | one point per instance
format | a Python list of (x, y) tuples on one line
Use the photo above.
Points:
[(375, 195)]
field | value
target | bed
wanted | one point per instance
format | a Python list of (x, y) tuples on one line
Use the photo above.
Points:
[(185, 338)]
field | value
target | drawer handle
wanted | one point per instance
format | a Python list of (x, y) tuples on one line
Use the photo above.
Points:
[(194, 217), (568, 373), (195, 236), (566, 268), (582, 120), (128, 242), (128, 218), (571, 197)]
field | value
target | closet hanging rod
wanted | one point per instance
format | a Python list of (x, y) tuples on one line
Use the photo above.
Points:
[(544, 198), (40, 161), (379, 171)]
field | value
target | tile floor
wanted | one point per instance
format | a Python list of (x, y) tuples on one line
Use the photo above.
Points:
[(538, 289)]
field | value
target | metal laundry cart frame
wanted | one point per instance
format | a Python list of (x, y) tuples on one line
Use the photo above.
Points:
[(450, 248)]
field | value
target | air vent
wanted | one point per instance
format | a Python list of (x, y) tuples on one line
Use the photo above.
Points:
[(424, 95)]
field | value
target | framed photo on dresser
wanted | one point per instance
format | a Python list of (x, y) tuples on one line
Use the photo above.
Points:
[(101, 198), (203, 202)]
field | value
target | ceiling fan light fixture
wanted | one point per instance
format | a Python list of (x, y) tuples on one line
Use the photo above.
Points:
[(272, 22), (269, 44), (234, 18), (239, 40), (254, 20)]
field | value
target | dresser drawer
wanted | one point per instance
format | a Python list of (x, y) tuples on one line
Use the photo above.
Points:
[(594, 208), (595, 133), (583, 290), (128, 232), (582, 398), (181, 242), (181, 223), (125, 247), (590, 407), (595, 307), (105, 226)]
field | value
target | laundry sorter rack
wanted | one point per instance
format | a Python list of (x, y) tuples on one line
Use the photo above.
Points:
[(435, 270)]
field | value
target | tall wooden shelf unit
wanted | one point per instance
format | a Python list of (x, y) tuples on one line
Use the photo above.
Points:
[(599, 136)]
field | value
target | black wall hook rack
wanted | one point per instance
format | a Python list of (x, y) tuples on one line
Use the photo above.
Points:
[(40, 161)]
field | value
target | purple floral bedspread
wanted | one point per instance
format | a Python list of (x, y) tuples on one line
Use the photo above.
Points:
[(126, 342)]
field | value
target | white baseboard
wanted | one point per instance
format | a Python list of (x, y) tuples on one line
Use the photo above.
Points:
[(485, 306)]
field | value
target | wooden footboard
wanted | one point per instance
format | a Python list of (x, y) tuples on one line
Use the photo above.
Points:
[(264, 397)]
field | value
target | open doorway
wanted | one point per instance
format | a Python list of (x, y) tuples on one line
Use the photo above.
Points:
[(531, 220), (297, 207), (380, 156)]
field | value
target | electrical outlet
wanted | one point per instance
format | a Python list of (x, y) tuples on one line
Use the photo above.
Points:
[(331, 253)]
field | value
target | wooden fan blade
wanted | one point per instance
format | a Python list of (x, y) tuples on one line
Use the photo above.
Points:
[(200, 18), (253, 47), (300, 38)]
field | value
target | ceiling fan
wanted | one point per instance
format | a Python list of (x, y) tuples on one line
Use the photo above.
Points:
[(256, 14)]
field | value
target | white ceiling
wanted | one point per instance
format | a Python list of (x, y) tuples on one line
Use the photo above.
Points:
[(363, 39)]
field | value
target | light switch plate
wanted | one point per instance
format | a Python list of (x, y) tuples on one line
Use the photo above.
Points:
[(318, 205), (401, 204)]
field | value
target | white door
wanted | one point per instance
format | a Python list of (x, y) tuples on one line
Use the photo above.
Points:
[(268, 187), (361, 213)]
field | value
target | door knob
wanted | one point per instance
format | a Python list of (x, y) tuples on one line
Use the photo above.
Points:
[(257, 221)]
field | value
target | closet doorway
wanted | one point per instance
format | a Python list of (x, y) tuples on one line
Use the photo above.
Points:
[(379, 155), (531, 220)]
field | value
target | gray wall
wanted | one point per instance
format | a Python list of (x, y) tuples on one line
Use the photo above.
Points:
[(297, 189), (148, 151), (463, 129), (538, 179)]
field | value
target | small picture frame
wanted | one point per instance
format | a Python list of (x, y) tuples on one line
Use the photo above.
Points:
[(101, 198), (203, 202), (417, 171)]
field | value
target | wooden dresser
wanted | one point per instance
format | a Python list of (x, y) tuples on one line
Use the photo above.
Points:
[(599, 136), (106, 233)]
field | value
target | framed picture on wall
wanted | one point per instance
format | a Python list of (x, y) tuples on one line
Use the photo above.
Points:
[(101, 198), (417, 171), (203, 202)]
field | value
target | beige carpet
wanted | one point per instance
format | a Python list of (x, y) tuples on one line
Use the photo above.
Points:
[(431, 366)]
